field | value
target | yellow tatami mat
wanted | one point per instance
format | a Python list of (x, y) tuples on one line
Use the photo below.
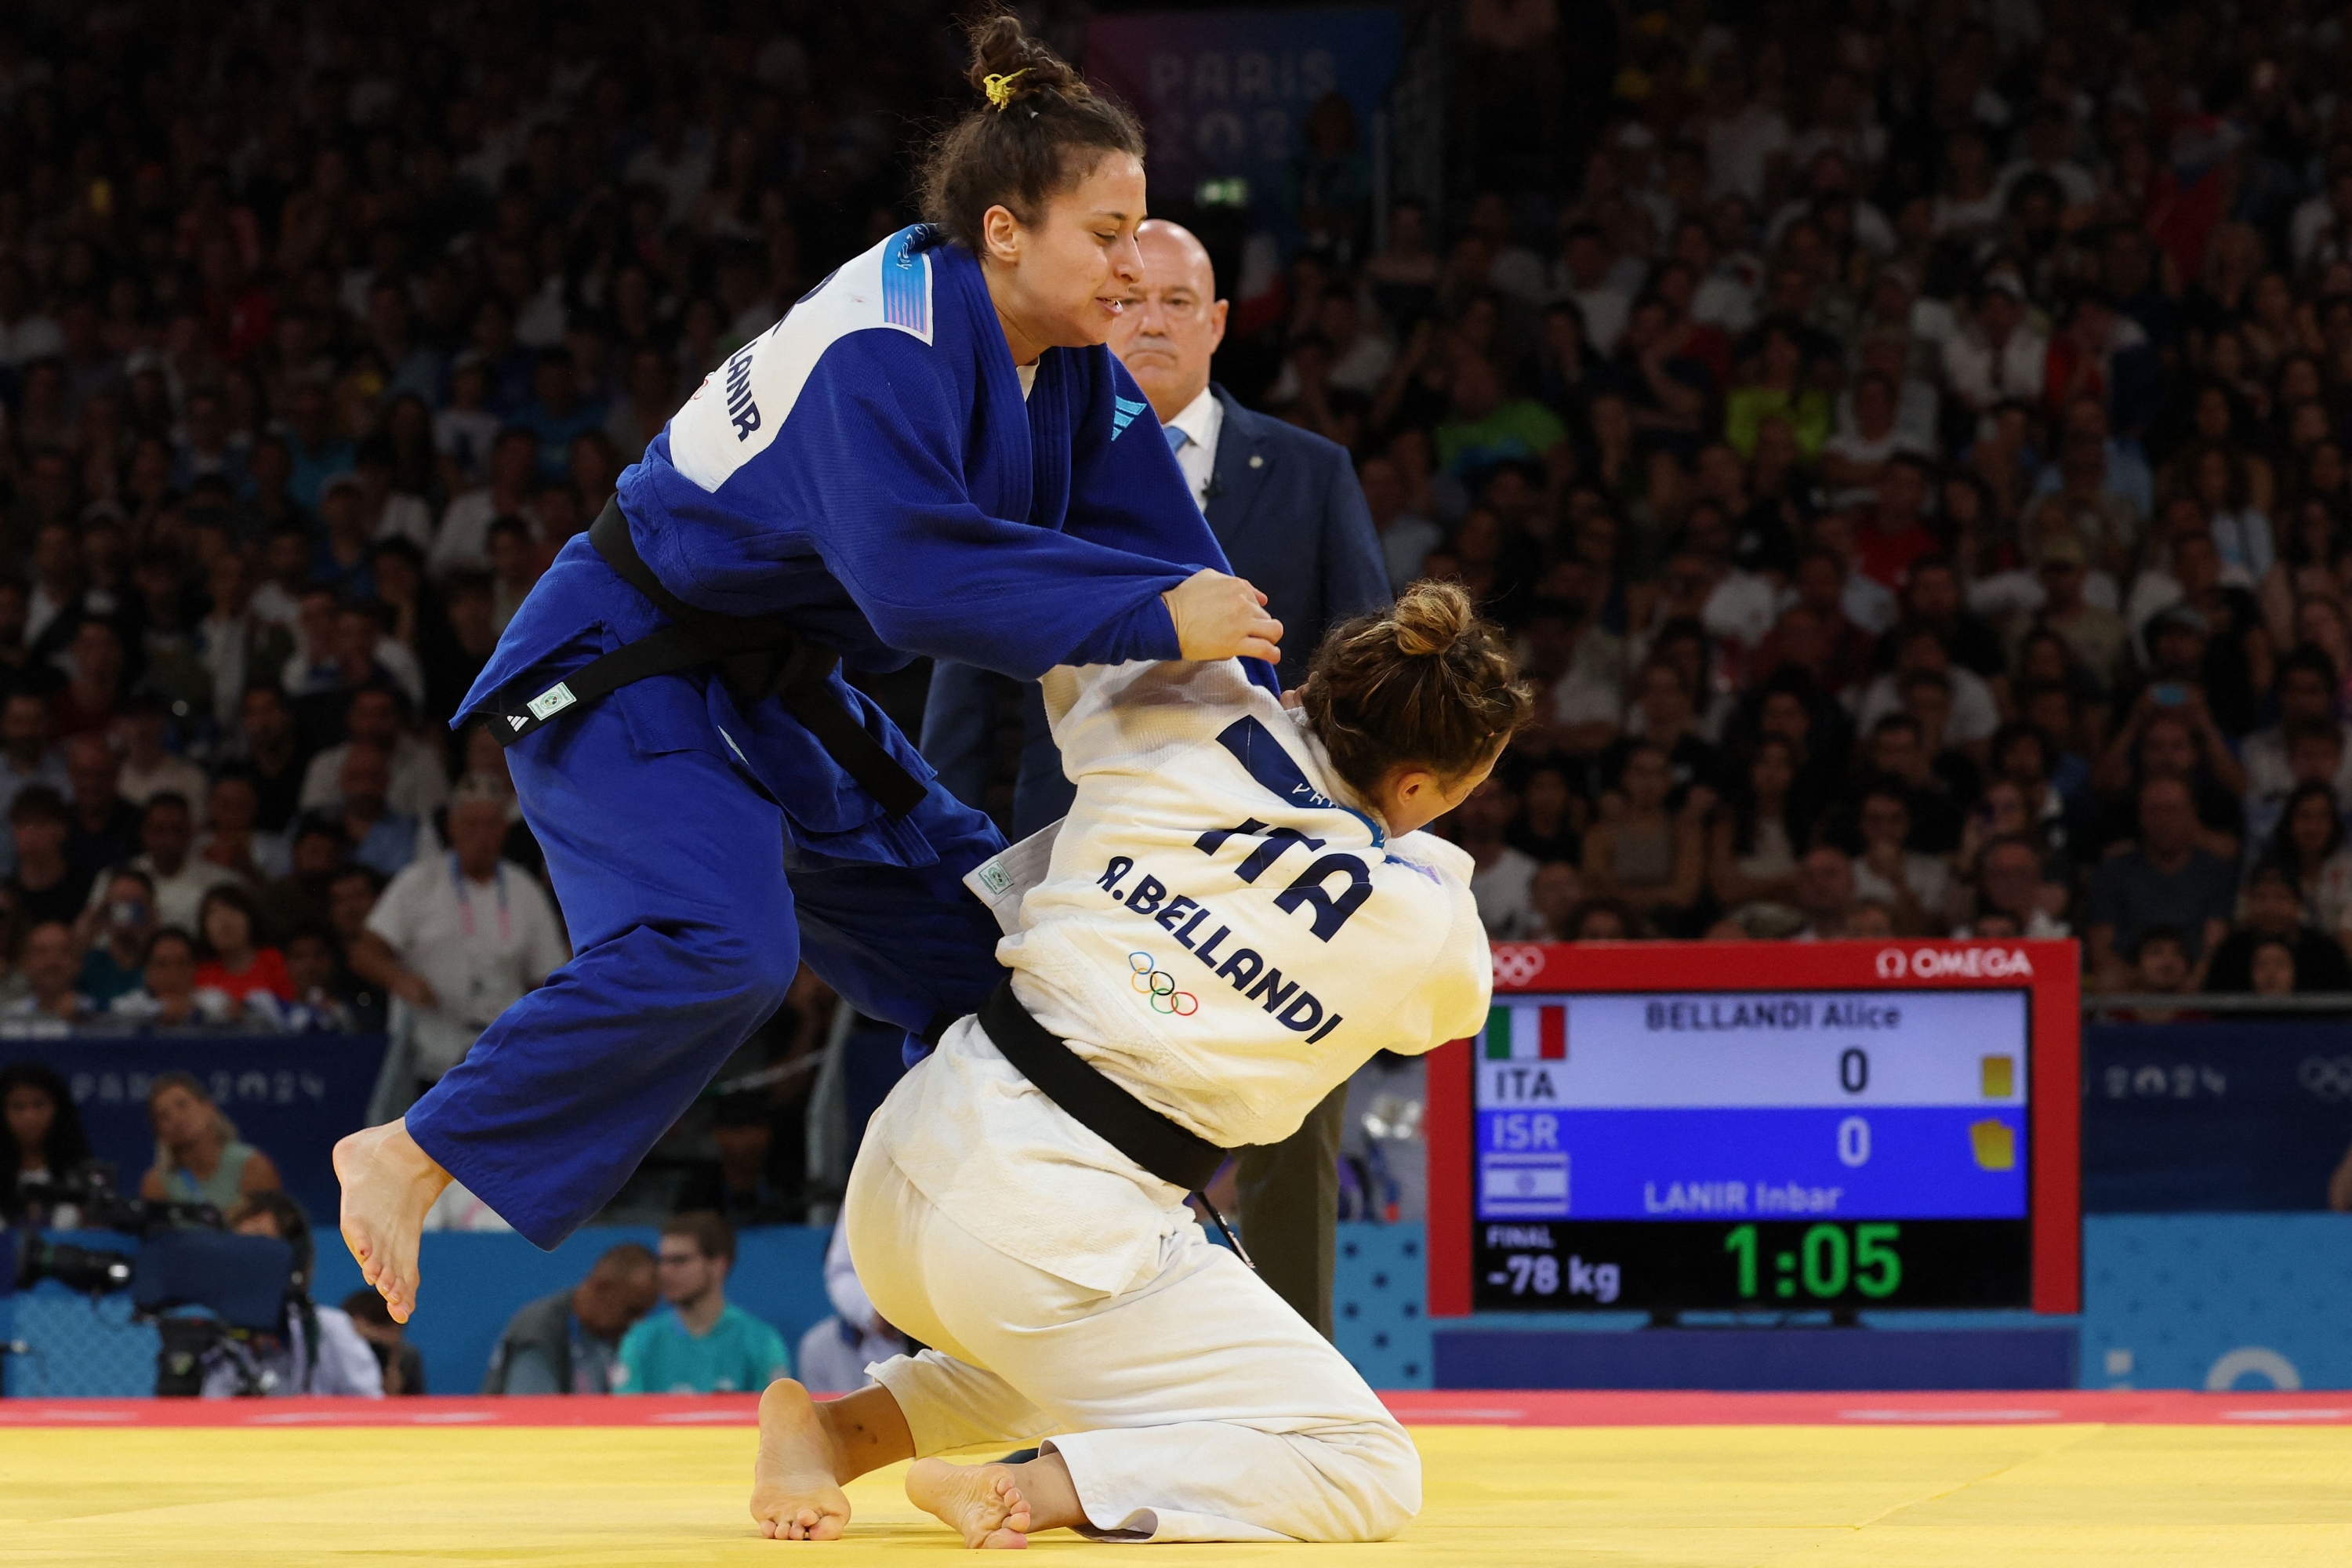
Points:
[(1689, 1497)]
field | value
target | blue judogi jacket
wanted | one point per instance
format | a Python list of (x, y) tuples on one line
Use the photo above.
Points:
[(869, 467)]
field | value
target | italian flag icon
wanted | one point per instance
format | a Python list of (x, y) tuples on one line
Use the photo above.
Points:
[(1527, 1034)]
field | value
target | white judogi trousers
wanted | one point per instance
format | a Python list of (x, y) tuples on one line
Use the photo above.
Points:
[(1193, 1405)]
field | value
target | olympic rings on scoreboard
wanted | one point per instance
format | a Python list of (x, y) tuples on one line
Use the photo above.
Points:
[(1159, 986), (1517, 963)]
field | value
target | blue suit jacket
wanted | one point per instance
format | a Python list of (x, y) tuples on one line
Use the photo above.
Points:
[(1284, 504)]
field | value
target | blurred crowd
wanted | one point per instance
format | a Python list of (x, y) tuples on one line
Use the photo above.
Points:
[(1909, 443), (322, 329)]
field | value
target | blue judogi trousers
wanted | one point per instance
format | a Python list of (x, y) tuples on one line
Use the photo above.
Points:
[(690, 907)]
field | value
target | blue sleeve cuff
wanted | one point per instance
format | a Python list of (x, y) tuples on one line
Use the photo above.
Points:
[(1142, 630)]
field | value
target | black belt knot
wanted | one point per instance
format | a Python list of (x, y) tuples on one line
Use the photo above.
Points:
[(758, 656)]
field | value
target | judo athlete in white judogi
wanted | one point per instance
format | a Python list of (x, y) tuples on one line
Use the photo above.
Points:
[(1226, 926)]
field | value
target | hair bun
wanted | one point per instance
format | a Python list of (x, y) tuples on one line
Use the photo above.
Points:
[(1004, 54), (1431, 617), (1423, 682)]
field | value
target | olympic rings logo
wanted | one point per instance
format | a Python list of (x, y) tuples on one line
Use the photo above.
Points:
[(1517, 964), (2328, 1079), (1161, 987)]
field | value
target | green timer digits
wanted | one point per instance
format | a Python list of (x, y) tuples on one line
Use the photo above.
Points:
[(1766, 1265), (1824, 1264)]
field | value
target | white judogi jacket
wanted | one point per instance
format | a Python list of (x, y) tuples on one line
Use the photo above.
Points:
[(1219, 927)]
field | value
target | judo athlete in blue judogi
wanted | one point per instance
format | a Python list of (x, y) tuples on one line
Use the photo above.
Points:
[(882, 469)]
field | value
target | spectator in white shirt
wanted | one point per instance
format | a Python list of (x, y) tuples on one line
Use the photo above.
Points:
[(1747, 138), (1359, 360), (238, 646), (1406, 539), (463, 543), (1824, 893), (148, 769), (1503, 883), (286, 561), (338, 645), (1514, 270), (1918, 405), (420, 775), (25, 334), (1857, 457), (458, 938), (2306, 685), (2047, 138), (464, 432), (1998, 356), (396, 514), (167, 835), (677, 161), (1843, 123), (2322, 218), (1582, 276), (1917, 887), (1975, 712)]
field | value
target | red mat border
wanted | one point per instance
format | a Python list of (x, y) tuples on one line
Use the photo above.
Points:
[(1437, 1407)]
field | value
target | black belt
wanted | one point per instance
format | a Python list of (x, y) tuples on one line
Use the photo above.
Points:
[(1168, 1152), (758, 656), (1174, 1154)]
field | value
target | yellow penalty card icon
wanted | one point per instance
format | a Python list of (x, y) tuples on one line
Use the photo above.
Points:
[(1995, 1145)]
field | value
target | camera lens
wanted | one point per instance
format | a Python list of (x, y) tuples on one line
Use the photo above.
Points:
[(75, 1268)]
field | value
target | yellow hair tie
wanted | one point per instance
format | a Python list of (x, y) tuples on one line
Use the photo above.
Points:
[(999, 88)]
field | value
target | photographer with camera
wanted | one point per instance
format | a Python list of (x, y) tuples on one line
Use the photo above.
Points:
[(316, 1349), (198, 1158), (41, 1140), (229, 1296), (113, 934)]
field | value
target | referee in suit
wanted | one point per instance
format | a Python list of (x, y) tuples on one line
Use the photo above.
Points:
[(1286, 506)]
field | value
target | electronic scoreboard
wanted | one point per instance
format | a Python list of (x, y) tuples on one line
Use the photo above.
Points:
[(1761, 1127)]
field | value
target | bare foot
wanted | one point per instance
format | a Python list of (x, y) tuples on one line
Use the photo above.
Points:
[(388, 1183), (983, 1501), (793, 1494)]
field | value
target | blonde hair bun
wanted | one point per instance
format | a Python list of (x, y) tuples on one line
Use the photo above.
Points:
[(1430, 617)]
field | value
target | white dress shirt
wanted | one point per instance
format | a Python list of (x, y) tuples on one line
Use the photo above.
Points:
[(1202, 421), (481, 946)]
